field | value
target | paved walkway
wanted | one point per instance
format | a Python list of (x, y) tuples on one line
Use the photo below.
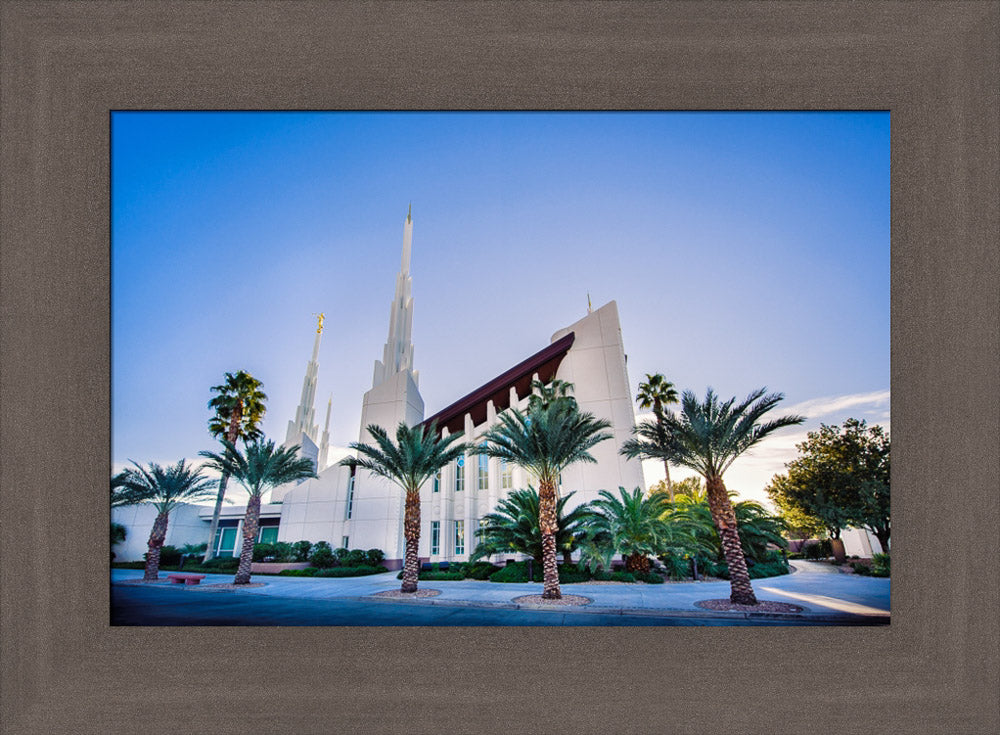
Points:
[(826, 597)]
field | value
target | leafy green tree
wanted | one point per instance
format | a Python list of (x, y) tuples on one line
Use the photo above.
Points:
[(632, 525), (841, 476), (513, 527), (708, 436), (545, 441), (689, 486), (800, 523), (656, 392), (417, 455), (239, 409), (258, 468), (165, 488)]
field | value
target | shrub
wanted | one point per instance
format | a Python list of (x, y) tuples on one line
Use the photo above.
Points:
[(880, 565), (767, 569), (263, 551), (222, 563), (374, 557), (194, 548), (649, 577), (442, 576), (360, 571), (322, 556), (340, 553), (517, 572), (301, 550), (353, 558), (678, 565), (480, 570), (170, 556), (603, 576), (129, 565), (307, 572), (571, 574)]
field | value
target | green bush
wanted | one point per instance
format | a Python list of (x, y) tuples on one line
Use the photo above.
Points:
[(678, 565), (572, 574), (354, 558), (360, 571), (340, 553), (222, 563), (480, 570), (442, 576), (170, 556), (766, 569), (322, 555), (262, 551), (307, 572), (301, 549), (649, 577), (374, 557), (517, 572), (129, 565), (880, 565)]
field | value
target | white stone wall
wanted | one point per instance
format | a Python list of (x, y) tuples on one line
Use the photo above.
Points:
[(185, 526)]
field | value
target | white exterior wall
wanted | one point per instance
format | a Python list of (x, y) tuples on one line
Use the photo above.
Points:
[(185, 526), (316, 509), (860, 542), (595, 365)]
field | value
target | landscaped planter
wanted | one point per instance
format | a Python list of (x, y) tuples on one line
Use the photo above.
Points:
[(273, 567)]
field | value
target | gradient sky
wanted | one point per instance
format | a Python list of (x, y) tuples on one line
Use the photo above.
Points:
[(743, 249)]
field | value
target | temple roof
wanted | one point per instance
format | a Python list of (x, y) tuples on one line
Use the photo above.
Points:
[(545, 362)]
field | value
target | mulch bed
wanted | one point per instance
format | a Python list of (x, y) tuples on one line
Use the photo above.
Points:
[(762, 606), (400, 595), (564, 600)]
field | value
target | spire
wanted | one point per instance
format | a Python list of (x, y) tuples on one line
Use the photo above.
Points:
[(397, 355), (590, 308), (303, 421), (409, 211), (324, 444)]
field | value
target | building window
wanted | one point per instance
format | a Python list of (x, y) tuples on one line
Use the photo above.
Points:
[(459, 537), (437, 482), (435, 538), (225, 539), (268, 535), (345, 542), (460, 474), (350, 497), (484, 471), (506, 475)]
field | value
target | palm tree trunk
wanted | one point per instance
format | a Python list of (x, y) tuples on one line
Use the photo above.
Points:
[(156, 538), (251, 524), (670, 485), (548, 524), (729, 535), (214, 525), (637, 563), (411, 532), (658, 412)]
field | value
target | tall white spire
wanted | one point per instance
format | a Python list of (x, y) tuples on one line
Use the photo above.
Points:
[(324, 444), (303, 422), (397, 355)]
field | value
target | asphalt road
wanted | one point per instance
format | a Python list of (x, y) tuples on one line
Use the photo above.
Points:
[(138, 605)]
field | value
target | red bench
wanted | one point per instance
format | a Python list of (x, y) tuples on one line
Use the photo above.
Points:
[(185, 578)]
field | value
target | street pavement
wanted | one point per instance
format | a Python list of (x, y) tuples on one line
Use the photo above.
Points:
[(827, 599)]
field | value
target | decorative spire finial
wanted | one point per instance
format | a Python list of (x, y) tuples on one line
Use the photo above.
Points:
[(590, 309), (319, 325), (409, 211)]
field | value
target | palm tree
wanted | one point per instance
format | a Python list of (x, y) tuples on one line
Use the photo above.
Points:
[(239, 409), (544, 442), (708, 437), (513, 527), (259, 468), (757, 527), (165, 489), (651, 440), (631, 525), (416, 456), (655, 393)]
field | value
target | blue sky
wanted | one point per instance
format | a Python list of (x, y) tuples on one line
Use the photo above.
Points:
[(743, 249)]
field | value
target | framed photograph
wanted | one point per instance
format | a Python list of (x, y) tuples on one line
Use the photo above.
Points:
[(930, 67)]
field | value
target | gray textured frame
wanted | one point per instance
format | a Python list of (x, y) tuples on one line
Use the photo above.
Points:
[(64, 65)]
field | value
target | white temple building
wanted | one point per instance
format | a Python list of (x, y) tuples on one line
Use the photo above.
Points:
[(362, 511)]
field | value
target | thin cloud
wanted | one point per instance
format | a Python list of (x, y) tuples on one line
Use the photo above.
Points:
[(819, 407)]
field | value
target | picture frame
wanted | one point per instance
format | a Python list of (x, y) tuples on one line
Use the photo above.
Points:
[(65, 66)]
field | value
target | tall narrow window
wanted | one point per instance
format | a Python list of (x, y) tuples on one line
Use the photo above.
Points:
[(350, 496), (435, 538), (437, 482), (460, 474), (484, 471), (459, 537), (345, 542), (506, 475)]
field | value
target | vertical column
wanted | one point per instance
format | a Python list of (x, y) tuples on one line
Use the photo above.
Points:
[(471, 470)]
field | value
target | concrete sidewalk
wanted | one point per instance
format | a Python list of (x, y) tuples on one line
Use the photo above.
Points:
[(824, 596)]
